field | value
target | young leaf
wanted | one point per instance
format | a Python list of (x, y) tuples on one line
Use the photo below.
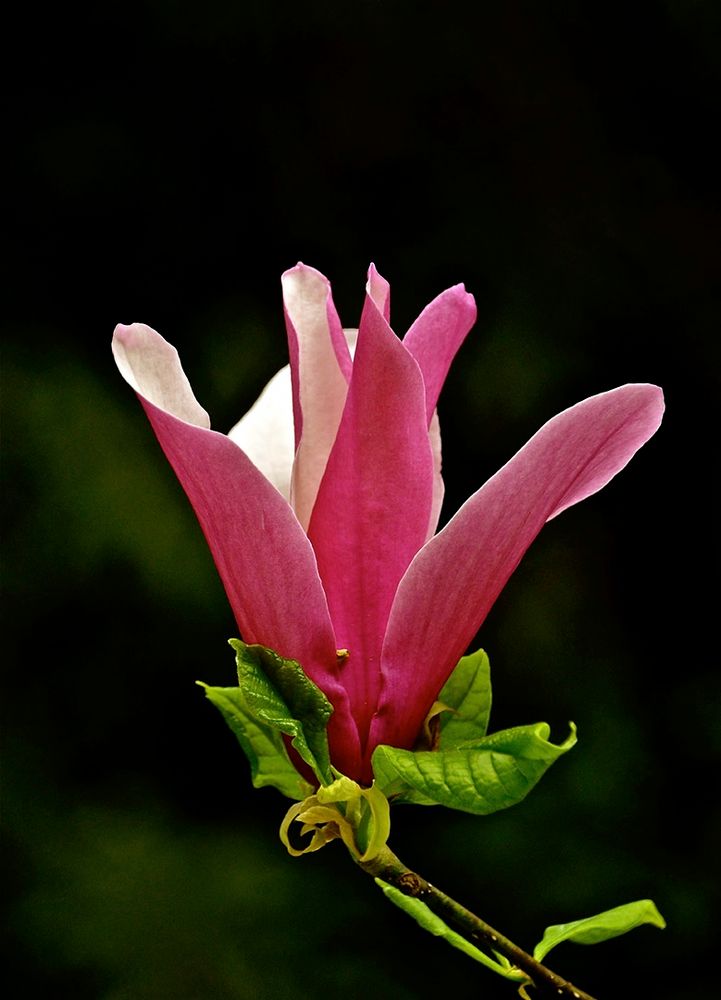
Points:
[(603, 926), (468, 692), (480, 777), (262, 745), (279, 694), (432, 923)]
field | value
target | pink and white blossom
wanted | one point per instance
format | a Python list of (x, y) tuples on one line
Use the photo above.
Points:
[(321, 505)]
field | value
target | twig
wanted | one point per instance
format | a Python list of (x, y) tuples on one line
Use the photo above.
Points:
[(391, 869)]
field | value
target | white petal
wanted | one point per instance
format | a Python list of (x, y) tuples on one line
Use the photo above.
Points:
[(265, 433), (151, 366), (351, 337), (434, 432)]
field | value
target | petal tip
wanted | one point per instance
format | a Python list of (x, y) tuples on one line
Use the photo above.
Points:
[(129, 335), (303, 273), (651, 394), (122, 332), (468, 298)]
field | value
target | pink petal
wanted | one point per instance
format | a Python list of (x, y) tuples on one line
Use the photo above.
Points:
[(263, 556), (436, 335), (439, 324), (454, 580), (320, 368), (373, 507), (380, 291)]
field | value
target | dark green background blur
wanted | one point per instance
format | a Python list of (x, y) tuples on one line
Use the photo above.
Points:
[(170, 161)]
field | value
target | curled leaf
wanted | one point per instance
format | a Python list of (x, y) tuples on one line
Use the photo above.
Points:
[(360, 817)]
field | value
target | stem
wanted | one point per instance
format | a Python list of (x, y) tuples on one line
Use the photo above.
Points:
[(385, 865)]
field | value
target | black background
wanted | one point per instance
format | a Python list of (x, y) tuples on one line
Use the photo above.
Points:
[(168, 162)]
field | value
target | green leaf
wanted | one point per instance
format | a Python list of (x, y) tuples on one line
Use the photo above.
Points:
[(262, 745), (432, 923), (479, 777), (468, 692), (603, 926), (280, 695)]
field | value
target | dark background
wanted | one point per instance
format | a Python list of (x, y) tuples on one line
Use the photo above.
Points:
[(169, 161)]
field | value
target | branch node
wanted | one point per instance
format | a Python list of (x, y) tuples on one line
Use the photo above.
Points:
[(411, 884)]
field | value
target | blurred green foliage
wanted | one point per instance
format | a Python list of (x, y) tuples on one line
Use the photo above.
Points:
[(559, 160)]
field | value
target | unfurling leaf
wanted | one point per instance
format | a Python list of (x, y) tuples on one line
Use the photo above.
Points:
[(360, 817)]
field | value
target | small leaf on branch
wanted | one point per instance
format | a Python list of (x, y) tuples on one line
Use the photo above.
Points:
[(602, 927), (262, 744), (479, 777), (432, 923)]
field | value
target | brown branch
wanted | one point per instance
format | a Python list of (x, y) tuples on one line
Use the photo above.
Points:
[(389, 868)]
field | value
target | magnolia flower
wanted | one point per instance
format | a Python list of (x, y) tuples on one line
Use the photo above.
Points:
[(321, 506)]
